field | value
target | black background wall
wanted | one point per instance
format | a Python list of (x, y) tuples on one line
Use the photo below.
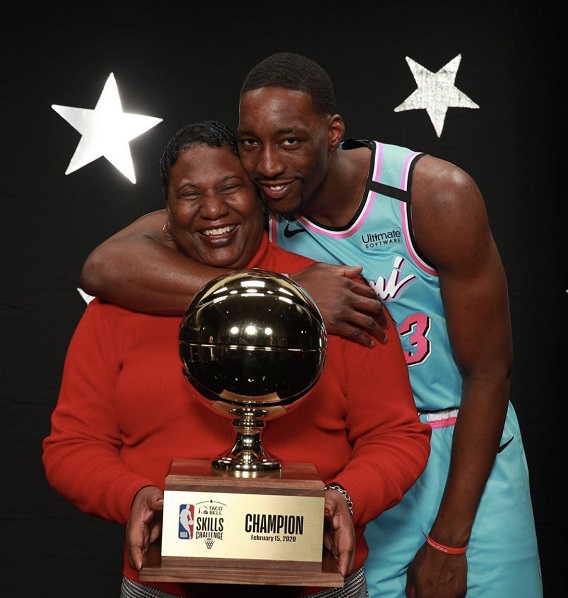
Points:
[(185, 62)]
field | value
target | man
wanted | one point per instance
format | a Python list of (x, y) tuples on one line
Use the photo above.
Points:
[(418, 226)]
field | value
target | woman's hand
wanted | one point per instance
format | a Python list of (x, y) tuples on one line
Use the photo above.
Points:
[(338, 531), (145, 523)]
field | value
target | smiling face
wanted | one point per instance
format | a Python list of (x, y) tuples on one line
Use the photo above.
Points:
[(214, 213), (285, 146)]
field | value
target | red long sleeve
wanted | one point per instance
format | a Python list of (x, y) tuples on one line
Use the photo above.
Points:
[(125, 410)]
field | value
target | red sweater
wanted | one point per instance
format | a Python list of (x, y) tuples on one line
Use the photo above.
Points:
[(125, 410)]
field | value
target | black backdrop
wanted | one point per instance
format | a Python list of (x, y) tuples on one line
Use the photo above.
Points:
[(185, 62)]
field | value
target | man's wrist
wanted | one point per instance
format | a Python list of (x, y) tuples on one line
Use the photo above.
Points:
[(445, 549)]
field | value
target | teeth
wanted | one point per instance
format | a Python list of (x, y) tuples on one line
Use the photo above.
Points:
[(212, 232), (277, 187)]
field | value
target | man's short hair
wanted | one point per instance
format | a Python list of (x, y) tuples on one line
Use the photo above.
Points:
[(295, 72)]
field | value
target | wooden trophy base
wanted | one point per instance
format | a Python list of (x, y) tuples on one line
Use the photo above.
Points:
[(253, 528)]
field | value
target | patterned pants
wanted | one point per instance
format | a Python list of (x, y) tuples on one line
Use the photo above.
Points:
[(355, 587)]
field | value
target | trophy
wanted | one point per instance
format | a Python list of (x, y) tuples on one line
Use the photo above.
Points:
[(252, 343)]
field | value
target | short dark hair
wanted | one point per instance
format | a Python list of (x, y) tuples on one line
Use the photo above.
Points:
[(207, 132), (296, 72)]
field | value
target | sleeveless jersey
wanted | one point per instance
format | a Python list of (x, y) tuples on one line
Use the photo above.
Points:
[(379, 237)]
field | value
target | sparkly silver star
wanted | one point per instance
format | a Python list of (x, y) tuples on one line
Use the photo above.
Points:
[(436, 92), (105, 131)]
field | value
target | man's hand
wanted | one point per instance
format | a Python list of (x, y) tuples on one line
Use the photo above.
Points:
[(145, 523), (349, 308), (433, 574), (338, 532)]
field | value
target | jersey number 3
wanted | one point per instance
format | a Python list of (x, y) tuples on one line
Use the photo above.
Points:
[(414, 335)]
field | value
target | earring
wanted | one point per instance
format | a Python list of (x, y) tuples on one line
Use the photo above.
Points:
[(166, 231)]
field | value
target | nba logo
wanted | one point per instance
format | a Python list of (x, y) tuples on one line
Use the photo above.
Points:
[(185, 531)]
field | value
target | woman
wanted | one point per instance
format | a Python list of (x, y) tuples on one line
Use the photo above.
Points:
[(125, 410)]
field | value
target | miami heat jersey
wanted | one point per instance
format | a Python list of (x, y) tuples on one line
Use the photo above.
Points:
[(379, 237)]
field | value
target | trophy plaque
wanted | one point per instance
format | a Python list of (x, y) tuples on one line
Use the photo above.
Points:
[(252, 343)]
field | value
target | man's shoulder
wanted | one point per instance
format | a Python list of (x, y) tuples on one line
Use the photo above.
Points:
[(439, 171), (353, 143)]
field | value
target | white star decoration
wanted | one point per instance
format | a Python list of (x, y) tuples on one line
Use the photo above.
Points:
[(105, 131), (436, 92), (86, 297)]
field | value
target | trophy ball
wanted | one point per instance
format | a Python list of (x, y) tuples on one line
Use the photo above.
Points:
[(253, 340)]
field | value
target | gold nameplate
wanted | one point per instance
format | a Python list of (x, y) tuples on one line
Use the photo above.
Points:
[(271, 524)]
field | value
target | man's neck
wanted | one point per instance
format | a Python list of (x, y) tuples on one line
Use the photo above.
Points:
[(341, 193)]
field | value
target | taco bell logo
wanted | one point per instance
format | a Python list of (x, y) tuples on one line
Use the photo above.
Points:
[(185, 531)]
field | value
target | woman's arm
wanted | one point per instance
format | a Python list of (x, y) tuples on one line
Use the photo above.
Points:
[(390, 444), (81, 454)]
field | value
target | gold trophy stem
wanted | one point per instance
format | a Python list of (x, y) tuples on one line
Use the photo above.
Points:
[(247, 453)]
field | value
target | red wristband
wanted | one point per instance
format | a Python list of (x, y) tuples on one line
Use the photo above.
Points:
[(443, 548)]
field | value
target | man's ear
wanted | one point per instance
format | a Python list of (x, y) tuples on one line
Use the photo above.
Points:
[(336, 128)]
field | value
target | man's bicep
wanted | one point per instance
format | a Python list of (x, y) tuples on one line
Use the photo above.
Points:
[(127, 257), (149, 225)]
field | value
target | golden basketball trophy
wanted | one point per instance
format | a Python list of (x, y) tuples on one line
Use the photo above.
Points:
[(253, 343)]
